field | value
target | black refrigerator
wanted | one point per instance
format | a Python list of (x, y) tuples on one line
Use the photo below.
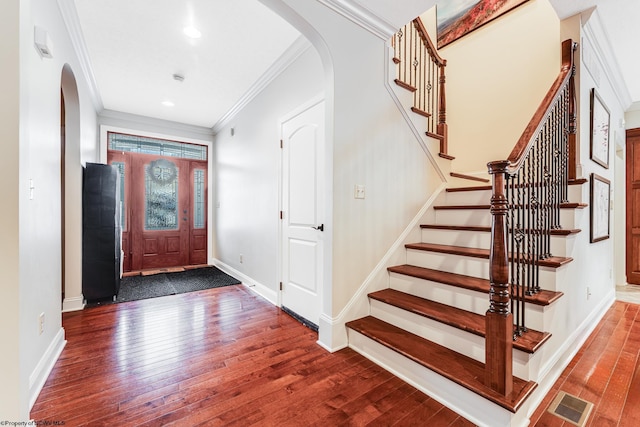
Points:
[(101, 232)]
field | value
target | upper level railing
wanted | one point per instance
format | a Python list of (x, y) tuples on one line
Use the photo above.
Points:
[(528, 191), (421, 70)]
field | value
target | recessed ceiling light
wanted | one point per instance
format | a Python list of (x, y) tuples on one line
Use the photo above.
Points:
[(168, 103), (192, 32)]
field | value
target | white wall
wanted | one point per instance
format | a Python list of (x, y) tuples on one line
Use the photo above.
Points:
[(13, 392), (497, 76), (246, 179), (372, 146), (32, 282)]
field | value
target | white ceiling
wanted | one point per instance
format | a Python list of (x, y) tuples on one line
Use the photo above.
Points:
[(135, 46), (621, 18)]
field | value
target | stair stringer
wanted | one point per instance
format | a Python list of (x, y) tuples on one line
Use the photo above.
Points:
[(404, 101)]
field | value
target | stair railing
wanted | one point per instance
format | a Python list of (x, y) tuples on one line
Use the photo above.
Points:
[(528, 191), (421, 70)]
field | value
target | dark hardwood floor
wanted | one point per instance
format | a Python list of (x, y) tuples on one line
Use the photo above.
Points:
[(605, 372), (218, 357), (226, 357)]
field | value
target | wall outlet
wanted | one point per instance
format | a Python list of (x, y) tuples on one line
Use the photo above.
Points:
[(588, 293), (358, 191), (241, 258), (41, 323)]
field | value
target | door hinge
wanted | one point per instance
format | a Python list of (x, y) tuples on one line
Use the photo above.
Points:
[(280, 285), (281, 215), (281, 144)]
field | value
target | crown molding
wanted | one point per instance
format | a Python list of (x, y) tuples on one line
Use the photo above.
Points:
[(134, 121), (595, 31), (297, 48), (72, 22), (361, 16)]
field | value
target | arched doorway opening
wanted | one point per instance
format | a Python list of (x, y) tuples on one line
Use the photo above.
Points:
[(70, 193)]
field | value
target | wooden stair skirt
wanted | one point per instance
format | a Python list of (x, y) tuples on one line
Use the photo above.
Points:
[(429, 325)]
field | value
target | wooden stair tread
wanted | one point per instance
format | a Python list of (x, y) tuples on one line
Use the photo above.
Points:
[(554, 232), (529, 342), (565, 205), (469, 177), (544, 297), (446, 156), (406, 86), (435, 135), (420, 112), (463, 370), (553, 261), (579, 181)]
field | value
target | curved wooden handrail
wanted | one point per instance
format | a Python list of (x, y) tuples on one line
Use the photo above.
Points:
[(527, 192), (418, 75), (524, 144), (422, 31)]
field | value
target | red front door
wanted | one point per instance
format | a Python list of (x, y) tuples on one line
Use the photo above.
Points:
[(160, 212), (164, 219)]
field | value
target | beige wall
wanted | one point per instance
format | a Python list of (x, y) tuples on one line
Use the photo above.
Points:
[(496, 77)]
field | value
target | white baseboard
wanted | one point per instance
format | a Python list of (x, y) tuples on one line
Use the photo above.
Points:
[(260, 289), (73, 304), (42, 370)]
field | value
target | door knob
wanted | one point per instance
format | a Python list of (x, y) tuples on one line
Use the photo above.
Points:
[(320, 227)]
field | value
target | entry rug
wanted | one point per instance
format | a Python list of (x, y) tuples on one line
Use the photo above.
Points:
[(142, 287)]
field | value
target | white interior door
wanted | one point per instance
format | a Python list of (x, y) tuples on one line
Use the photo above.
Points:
[(302, 213)]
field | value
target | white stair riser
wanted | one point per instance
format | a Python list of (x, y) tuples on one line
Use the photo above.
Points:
[(576, 194), (465, 299), (462, 342), (470, 217), (461, 400), (560, 245), (483, 197), (469, 239), (482, 217), (468, 266), (477, 197)]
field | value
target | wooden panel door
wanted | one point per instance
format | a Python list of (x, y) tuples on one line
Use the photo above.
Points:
[(633, 206), (160, 211)]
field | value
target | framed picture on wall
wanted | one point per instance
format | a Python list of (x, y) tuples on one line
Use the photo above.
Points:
[(455, 18), (599, 208), (600, 118)]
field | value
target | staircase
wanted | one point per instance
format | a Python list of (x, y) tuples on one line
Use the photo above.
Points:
[(430, 325), (430, 321)]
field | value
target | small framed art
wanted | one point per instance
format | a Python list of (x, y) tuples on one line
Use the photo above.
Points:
[(600, 118), (599, 208)]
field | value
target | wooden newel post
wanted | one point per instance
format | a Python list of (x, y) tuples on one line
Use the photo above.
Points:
[(442, 111), (499, 320)]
